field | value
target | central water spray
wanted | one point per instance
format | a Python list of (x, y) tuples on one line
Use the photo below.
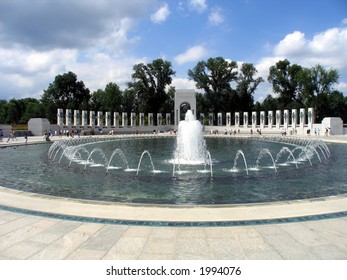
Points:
[(190, 142)]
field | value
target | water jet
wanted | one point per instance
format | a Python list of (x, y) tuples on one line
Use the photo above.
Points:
[(179, 169)]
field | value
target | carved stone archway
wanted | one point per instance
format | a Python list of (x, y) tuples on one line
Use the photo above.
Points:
[(184, 97)]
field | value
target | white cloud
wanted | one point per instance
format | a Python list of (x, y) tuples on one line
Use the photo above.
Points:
[(216, 17), (183, 83), (192, 54), (198, 5), (92, 41), (264, 64), (327, 48), (103, 69), (293, 44), (161, 14), (26, 72), (342, 87), (344, 21), (41, 25)]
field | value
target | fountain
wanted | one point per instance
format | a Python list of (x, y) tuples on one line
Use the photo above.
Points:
[(122, 156), (140, 161), (235, 169), (170, 169), (190, 142)]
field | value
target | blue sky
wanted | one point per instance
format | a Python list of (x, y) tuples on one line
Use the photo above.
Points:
[(100, 41)]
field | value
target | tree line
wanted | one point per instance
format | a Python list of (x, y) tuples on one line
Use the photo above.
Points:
[(223, 87)]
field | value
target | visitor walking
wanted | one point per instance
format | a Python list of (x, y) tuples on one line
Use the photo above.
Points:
[(11, 136)]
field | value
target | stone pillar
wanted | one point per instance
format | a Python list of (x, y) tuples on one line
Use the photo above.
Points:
[(100, 123), (270, 119), (228, 119), (108, 119), (132, 119), (84, 119), (177, 116), (210, 118), (302, 117), (278, 119), (150, 119), (76, 121), (254, 120), (142, 119), (262, 119), (202, 118), (286, 119), (310, 118), (219, 119), (168, 119), (159, 119), (92, 119), (68, 118), (294, 118), (60, 118), (245, 119), (124, 119), (116, 119), (237, 120)]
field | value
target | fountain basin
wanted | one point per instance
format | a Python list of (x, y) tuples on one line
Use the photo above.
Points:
[(124, 179)]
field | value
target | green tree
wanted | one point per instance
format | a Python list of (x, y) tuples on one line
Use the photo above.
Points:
[(285, 79), (201, 104), (149, 84), (97, 100), (129, 102), (14, 109), (270, 103), (317, 86), (2, 111), (333, 104), (215, 76), (114, 97), (49, 108), (168, 106), (247, 85), (65, 92), (33, 109), (109, 99), (338, 105)]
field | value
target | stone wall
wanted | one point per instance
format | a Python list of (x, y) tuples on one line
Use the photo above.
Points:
[(5, 129), (335, 125), (38, 126)]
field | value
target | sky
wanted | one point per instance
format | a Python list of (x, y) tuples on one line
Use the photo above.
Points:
[(100, 41)]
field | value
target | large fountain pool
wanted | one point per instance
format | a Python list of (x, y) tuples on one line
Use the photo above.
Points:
[(144, 170)]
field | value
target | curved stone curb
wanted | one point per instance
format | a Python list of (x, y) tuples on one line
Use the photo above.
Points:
[(37, 204)]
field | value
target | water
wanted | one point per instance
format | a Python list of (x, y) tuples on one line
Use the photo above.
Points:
[(190, 142), (28, 168)]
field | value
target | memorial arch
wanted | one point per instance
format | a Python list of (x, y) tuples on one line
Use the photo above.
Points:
[(184, 99)]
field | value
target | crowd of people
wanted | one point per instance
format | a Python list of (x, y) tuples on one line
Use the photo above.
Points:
[(234, 132), (48, 134)]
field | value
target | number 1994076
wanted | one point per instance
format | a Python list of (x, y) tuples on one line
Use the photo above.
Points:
[(213, 270)]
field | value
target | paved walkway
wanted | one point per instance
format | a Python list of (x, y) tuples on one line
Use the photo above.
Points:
[(32, 237), (27, 231)]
